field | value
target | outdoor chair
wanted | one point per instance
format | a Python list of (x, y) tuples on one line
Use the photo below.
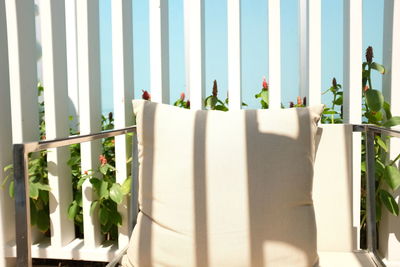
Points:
[(214, 217)]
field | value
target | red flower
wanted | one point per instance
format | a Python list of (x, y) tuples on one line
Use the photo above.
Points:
[(86, 172), (264, 84), (103, 160), (146, 95), (182, 96), (366, 88)]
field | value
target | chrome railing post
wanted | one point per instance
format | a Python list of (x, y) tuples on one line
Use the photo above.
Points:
[(22, 208), (370, 187)]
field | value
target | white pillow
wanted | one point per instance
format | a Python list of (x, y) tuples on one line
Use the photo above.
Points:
[(224, 188)]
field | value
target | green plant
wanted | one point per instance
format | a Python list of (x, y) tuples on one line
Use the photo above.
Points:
[(264, 95), (331, 114), (181, 102), (213, 102), (38, 178)]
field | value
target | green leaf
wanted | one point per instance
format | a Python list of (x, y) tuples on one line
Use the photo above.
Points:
[(265, 96), (339, 101), (11, 189), (104, 169), (33, 213), (33, 190), (389, 202), (378, 67), (93, 207), (386, 108), (126, 186), (103, 215), (8, 167), (374, 99), (96, 184), (43, 187), (116, 218), (43, 221), (73, 210), (393, 121), (116, 193), (103, 193), (392, 177), (381, 143)]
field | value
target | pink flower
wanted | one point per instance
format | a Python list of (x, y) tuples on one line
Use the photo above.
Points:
[(146, 95), (86, 172), (366, 88), (264, 84), (103, 160), (182, 96), (299, 101)]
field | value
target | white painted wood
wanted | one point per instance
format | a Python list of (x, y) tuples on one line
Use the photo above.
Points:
[(75, 250), (159, 50), (310, 50), (89, 105), (72, 62), (7, 221), (56, 117), (194, 41), (274, 53), (234, 55), (303, 53), (122, 49), (352, 61), (22, 67), (186, 32), (389, 244)]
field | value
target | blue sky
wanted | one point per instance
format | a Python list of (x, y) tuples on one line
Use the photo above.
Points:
[(254, 46)]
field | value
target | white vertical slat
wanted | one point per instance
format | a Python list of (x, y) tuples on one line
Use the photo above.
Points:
[(303, 53), (159, 50), (274, 53), (7, 222), (22, 62), (72, 62), (89, 105), (389, 230), (234, 55), (186, 31), (310, 50), (122, 49), (352, 61), (194, 42), (56, 117)]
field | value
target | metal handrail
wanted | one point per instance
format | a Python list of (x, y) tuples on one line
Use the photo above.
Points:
[(21, 151), (22, 208), (370, 132)]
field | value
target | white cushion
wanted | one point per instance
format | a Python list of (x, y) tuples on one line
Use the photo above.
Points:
[(224, 188), (348, 259)]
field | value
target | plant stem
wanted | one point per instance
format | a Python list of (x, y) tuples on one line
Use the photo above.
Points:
[(396, 159)]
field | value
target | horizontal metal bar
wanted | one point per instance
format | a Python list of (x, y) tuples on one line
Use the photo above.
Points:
[(375, 129), (42, 145)]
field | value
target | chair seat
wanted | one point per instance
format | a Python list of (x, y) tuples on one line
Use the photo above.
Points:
[(348, 259)]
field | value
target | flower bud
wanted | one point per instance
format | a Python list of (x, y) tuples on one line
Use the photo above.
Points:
[(215, 89), (264, 84), (291, 104), (182, 96), (299, 102), (102, 160), (305, 101), (369, 54), (146, 95), (110, 116), (334, 84), (188, 104)]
